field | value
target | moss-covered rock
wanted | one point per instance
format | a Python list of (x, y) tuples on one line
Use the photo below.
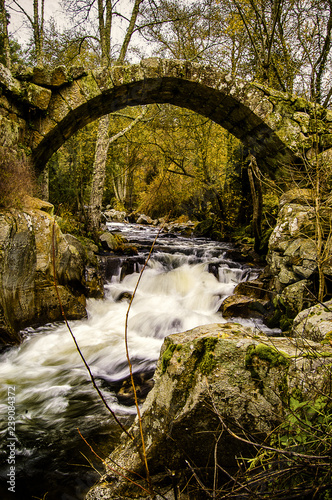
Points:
[(208, 379)]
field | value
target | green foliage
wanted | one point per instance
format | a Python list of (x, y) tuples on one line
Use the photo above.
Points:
[(307, 433), (69, 223), (16, 54), (70, 171)]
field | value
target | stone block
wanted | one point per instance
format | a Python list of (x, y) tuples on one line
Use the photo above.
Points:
[(37, 96), (73, 95)]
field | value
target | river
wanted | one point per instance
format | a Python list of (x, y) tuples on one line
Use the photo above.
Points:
[(47, 388)]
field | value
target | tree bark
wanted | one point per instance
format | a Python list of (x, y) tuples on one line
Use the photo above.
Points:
[(5, 37), (129, 31), (99, 172), (38, 30), (257, 201)]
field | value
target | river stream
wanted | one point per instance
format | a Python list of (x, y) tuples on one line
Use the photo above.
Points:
[(47, 388)]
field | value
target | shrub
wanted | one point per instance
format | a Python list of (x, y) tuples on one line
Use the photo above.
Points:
[(16, 179)]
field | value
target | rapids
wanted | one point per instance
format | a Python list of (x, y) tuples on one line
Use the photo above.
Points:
[(183, 286)]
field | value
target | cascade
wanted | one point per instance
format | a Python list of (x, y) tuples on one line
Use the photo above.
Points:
[(183, 286)]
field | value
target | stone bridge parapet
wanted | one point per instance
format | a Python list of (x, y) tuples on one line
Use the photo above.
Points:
[(40, 108)]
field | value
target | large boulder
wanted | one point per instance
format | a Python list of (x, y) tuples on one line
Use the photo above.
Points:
[(30, 239), (314, 323), (212, 384), (241, 306)]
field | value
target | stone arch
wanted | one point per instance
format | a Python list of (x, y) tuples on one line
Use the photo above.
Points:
[(274, 126)]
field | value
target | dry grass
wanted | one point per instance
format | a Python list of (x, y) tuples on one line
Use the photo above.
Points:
[(17, 179)]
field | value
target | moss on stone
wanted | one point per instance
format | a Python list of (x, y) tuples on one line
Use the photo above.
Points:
[(207, 360), (167, 357), (328, 338), (266, 353), (269, 354)]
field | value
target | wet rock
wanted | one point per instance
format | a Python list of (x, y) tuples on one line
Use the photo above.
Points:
[(143, 385), (29, 241), (111, 241), (144, 219), (209, 379), (254, 288), (114, 242), (242, 306), (124, 296)]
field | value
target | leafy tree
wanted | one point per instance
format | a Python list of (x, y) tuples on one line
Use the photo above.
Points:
[(105, 14)]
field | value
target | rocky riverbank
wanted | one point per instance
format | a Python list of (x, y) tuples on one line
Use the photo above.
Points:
[(29, 240)]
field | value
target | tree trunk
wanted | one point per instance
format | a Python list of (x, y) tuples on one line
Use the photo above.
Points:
[(44, 184), (102, 143), (99, 168), (129, 31), (257, 201), (38, 30), (5, 38), (99, 172)]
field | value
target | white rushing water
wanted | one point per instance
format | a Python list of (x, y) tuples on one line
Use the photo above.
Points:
[(176, 293)]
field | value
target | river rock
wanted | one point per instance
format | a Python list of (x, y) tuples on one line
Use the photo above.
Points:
[(257, 289), (27, 292), (242, 306), (314, 323), (210, 380), (111, 214), (110, 241), (144, 219)]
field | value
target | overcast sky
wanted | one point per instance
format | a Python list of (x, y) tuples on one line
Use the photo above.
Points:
[(17, 26), (18, 23)]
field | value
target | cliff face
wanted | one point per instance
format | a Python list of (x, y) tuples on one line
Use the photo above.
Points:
[(27, 292)]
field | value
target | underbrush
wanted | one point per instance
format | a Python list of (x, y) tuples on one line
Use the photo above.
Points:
[(17, 179)]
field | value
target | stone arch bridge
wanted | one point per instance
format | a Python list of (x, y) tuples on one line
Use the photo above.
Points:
[(40, 108)]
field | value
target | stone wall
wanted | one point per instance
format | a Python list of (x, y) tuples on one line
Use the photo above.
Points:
[(292, 256)]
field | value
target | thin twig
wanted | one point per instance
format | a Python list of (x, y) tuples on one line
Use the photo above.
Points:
[(129, 361), (109, 467), (76, 343)]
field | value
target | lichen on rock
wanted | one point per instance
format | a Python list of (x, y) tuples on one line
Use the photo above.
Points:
[(29, 238)]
